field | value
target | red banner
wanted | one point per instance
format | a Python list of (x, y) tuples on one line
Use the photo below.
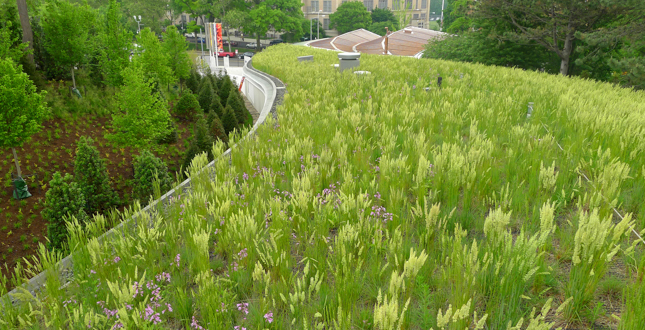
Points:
[(220, 41)]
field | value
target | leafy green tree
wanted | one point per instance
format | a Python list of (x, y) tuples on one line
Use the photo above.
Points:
[(153, 58), (201, 141), (480, 47), (434, 26), (188, 106), (152, 13), (116, 44), (229, 120), (554, 24), (382, 18), (142, 114), (22, 109), (621, 45), (175, 47), (350, 16), (379, 27), (92, 178), (63, 199), (281, 15), (67, 29), (10, 44), (171, 135), (385, 15), (147, 170)]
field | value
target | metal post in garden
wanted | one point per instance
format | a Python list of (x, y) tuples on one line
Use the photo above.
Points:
[(138, 23), (530, 110)]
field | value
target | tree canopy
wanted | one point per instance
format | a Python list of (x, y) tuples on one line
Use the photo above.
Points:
[(142, 114), (67, 28), (174, 45), (116, 42), (152, 58), (22, 109), (281, 15), (554, 24), (350, 16)]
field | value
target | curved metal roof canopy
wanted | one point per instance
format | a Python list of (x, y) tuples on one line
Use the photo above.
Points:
[(345, 42), (407, 42)]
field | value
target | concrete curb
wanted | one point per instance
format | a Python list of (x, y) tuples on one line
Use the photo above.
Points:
[(35, 284)]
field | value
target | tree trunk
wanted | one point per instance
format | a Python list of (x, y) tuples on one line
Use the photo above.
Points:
[(15, 159), (566, 53), (259, 46), (27, 34), (73, 79)]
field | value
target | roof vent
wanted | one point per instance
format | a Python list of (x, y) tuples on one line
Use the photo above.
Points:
[(407, 30)]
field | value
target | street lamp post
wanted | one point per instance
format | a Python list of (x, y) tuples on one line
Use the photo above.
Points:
[(201, 41), (318, 23), (311, 31), (138, 23)]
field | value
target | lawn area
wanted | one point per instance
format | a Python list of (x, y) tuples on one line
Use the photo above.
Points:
[(499, 199)]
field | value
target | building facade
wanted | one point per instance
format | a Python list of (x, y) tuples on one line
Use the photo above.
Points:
[(419, 12)]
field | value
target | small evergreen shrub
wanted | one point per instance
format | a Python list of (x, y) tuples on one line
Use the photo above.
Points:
[(201, 142), (147, 169), (92, 178), (193, 81), (216, 128), (235, 101), (63, 199), (217, 107), (206, 95), (229, 120), (225, 88), (187, 107), (215, 81)]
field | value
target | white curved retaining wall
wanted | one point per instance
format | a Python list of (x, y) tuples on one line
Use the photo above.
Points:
[(263, 89)]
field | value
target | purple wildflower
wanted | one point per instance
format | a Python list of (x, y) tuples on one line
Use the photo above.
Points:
[(269, 317)]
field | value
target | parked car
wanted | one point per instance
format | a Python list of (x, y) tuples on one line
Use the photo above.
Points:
[(247, 54), (190, 35), (252, 45), (233, 43), (201, 40), (275, 42), (304, 38), (226, 54)]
